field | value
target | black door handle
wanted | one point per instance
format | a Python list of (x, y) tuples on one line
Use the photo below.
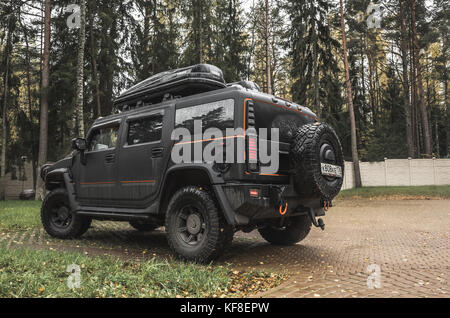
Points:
[(110, 158), (157, 152)]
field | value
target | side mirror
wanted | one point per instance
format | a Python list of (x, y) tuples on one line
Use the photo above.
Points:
[(79, 144)]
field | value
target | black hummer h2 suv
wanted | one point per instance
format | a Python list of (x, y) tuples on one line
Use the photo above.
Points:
[(123, 170)]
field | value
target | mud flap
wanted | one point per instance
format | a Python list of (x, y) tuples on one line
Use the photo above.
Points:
[(74, 206), (230, 215)]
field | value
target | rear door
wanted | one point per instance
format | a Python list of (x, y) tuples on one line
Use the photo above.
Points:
[(143, 154), (95, 180)]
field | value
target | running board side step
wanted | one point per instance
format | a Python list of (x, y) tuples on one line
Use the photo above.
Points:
[(115, 216), (110, 213)]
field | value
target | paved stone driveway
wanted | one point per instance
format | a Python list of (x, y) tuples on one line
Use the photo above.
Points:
[(408, 240)]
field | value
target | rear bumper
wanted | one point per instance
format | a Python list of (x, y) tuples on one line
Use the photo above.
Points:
[(242, 205)]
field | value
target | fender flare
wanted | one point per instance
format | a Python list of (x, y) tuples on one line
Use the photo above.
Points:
[(62, 175), (216, 181), (55, 176)]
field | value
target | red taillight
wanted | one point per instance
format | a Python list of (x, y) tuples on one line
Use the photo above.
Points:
[(252, 149), (254, 193)]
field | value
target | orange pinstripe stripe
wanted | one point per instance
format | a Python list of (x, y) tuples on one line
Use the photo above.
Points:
[(211, 139), (139, 181)]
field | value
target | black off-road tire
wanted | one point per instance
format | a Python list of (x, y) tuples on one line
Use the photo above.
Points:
[(143, 226), (73, 227), (297, 229), (307, 154), (215, 234)]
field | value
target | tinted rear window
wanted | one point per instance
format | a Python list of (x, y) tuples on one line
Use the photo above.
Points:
[(218, 114)]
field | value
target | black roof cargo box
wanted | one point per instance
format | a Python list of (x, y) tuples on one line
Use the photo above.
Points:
[(172, 84)]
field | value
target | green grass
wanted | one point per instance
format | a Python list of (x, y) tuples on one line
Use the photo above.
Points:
[(28, 272), (42, 273), (20, 215), (442, 192)]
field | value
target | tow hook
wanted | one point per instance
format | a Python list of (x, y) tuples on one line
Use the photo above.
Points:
[(283, 207), (317, 223)]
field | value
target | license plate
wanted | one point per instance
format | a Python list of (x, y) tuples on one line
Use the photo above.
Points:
[(331, 170)]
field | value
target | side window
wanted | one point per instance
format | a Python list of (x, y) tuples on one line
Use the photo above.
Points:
[(103, 138), (144, 130)]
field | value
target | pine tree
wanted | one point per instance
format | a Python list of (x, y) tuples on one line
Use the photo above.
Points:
[(310, 44), (164, 54), (43, 135), (229, 42), (418, 68), (263, 66), (114, 69), (256, 65), (80, 70), (355, 157), (150, 54), (406, 100), (11, 23), (97, 107), (267, 47), (197, 43)]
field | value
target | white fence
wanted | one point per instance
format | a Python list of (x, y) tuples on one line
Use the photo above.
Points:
[(400, 172), (13, 187)]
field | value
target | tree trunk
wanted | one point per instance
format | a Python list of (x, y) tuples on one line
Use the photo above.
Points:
[(363, 75), (43, 133), (316, 80), (438, 155), (415, 123), (146, 66), (446, 108), (357, 173), (268, 61), (377, 93), (274, 65), (371, 87), (96, 92), (27, 70), (4, 111), (41, 48), (30, 108), (80, 69), (406, 100), (155, 22), (447, 114), (430, 101), (422, 105), (252, 46), (7, 53), (200, 32)]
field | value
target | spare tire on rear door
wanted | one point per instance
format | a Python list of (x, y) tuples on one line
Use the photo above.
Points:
[(318, 162)]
